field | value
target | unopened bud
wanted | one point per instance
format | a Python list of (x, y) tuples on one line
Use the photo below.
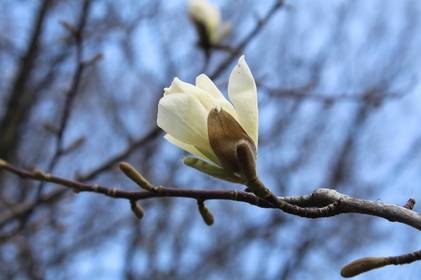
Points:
[(75, 144), (137, 209), (225, 136), (410, 204), (363, 265), (205, 213), (135, 176), (41, 175)]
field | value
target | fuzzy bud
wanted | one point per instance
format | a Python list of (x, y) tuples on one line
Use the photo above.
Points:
[(205, 213), (225, 136), (363, 265), (135, 176), (137, 209)]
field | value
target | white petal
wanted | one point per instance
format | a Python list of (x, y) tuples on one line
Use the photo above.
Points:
[(187, 147), (205, 98), (210, 154), (243, 95), (183, 117), (203, 82), (205, 155), (173, 88)]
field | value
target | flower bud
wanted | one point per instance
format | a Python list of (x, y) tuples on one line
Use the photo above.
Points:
[(207, 20), (137, 209), (224, 140), (205, 213), (225, 137), (135, 176), (363, 265)]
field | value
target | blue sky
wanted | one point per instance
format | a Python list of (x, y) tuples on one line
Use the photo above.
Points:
[(276, 62)]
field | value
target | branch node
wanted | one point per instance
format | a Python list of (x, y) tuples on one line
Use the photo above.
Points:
[(111, 192), (75, 189), (93, 59), (235, 194), (41, 175), (410, 204), (69, 27)]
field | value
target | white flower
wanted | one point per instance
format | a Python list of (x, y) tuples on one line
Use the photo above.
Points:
[(184, 109), (207, 15)]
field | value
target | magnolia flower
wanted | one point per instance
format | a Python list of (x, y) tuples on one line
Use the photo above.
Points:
[(207, 19), (200, 120)]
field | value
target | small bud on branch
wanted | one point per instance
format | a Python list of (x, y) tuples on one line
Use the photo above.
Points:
[(205, 213), (74, 145), (137, 209), (41, 175), (136, 177), (366, 264), (362, 265), (410, 203)]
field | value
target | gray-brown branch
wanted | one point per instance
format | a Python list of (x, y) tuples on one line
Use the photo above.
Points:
[(321, 203)]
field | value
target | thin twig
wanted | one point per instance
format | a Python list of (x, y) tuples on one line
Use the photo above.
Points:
[(277, 5), (55, 195), (71, 93)]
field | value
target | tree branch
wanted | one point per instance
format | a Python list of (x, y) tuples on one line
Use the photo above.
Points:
[(20, 101), (321, 203), (70, 96), (277, 5)]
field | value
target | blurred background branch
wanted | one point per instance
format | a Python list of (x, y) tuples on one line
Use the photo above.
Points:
[(339, 105)]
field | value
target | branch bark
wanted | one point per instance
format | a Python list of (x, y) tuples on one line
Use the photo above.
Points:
[(320, 204)]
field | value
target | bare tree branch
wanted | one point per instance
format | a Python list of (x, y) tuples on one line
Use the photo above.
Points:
[(77, 33), (20, 101), (277, 5), (321, 203)]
